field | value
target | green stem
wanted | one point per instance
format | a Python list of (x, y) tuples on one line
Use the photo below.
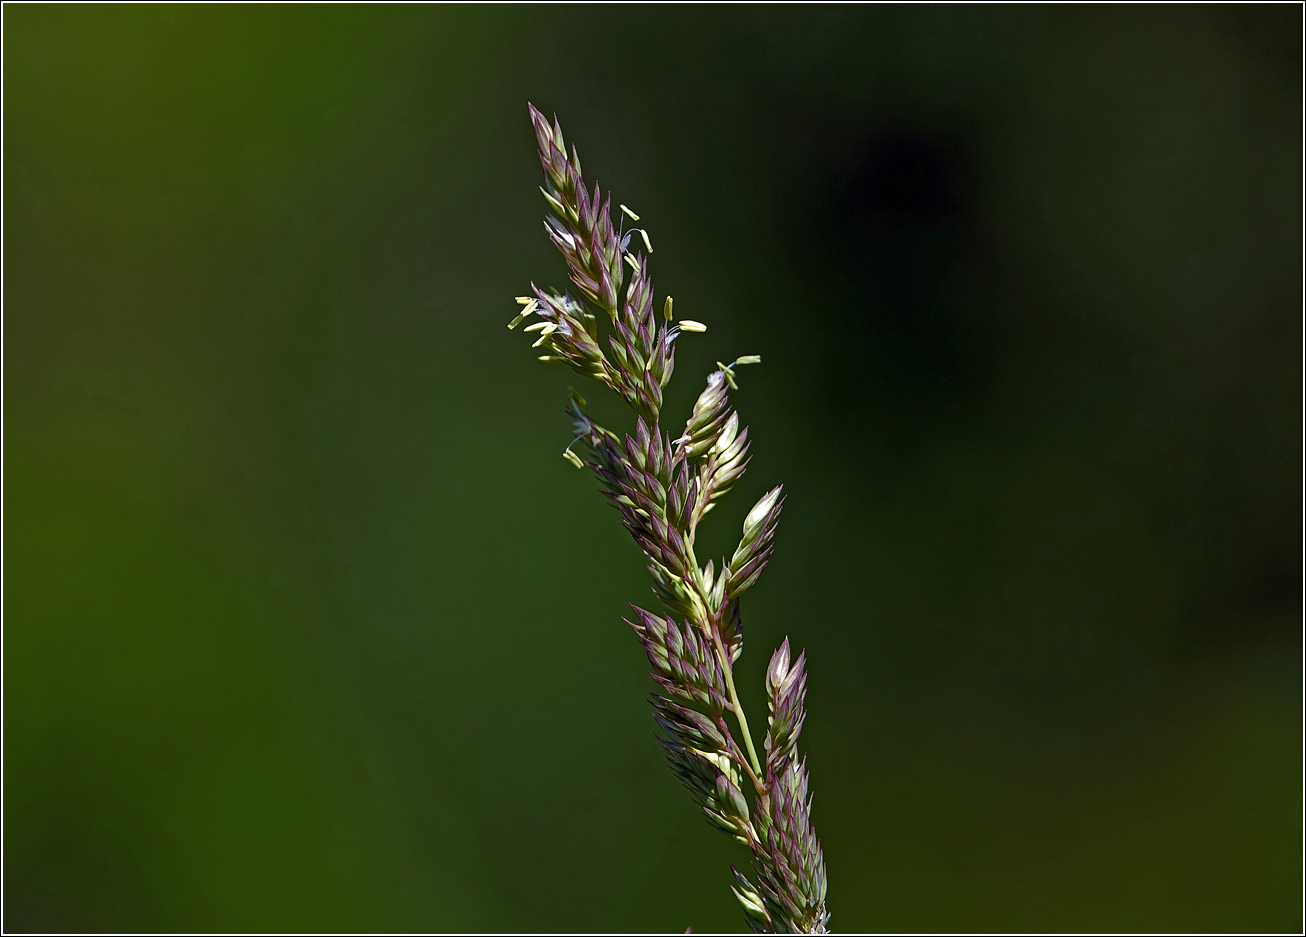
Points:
[(739, 711), (727, 667)]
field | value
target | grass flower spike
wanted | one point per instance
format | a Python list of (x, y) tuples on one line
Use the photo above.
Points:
[(663, 487)]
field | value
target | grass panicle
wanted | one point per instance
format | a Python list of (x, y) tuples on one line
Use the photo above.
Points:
[(663, 487)]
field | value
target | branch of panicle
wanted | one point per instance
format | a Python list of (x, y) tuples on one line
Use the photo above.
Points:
[(643, 353), (787, 856)]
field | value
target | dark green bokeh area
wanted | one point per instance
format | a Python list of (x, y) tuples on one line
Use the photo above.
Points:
[(309, 627)]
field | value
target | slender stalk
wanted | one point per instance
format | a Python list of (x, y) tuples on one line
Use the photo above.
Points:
[(738, 709), (727, 665)]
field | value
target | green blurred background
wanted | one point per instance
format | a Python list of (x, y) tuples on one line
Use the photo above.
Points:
[(309, 627)]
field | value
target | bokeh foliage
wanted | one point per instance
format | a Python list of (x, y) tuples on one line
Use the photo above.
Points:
[(309, 627)]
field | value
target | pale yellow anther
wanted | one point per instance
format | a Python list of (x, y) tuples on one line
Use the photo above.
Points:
[(647, 242), (689, 325), (531, 305), (549, 329), (634, 216)]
